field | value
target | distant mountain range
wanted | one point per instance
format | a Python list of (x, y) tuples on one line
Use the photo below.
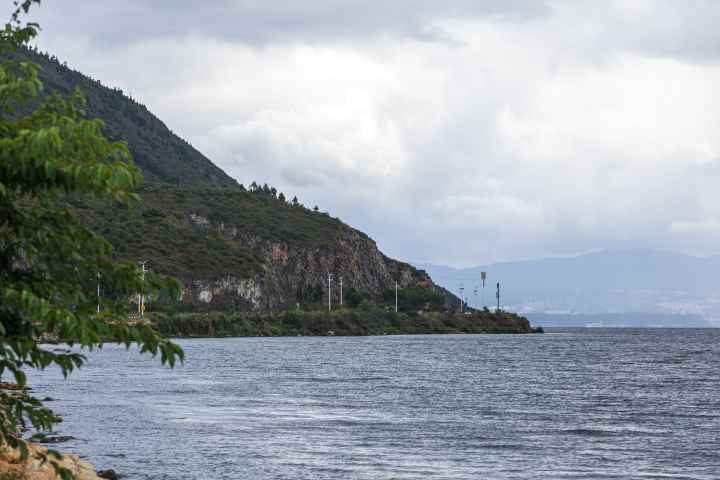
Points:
[(604, 282), (619, 320), (618, 270)]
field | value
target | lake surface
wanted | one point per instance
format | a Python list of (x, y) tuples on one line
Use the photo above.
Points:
[(573, 403)]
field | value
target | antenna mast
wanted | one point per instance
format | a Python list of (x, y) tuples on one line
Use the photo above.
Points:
[(461, 303), (483, 279)]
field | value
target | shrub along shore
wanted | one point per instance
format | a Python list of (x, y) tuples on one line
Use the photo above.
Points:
[(341, 322)]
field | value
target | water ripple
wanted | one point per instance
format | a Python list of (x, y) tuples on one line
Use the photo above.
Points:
[(574, 403)]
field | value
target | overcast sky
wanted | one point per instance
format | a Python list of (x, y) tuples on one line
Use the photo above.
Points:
[(451, 132)]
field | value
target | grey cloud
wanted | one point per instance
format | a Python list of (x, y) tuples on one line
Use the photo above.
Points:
[(297, 175), (686, 31), (272, 21)]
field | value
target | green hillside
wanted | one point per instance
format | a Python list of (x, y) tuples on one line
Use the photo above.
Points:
[(155, 229), (162, 156), (266, 216)]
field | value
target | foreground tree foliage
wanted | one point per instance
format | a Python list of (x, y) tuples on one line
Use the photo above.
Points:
[(49, 263)]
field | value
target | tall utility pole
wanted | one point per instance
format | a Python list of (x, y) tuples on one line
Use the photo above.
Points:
[(329, 292), (340, 290), (461, 290), (498, 297), (395, 297), (483, 279), (140, 299), (99, 291), (475, 292)]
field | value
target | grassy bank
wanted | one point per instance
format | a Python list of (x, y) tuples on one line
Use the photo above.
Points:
[(339, 322)]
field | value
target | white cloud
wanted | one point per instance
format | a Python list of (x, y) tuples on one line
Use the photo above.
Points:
[(337, 140), (501, 214)]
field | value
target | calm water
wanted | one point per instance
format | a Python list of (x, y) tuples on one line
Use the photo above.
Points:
[(574, 403)]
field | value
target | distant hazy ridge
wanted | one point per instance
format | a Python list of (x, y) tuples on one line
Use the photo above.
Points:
[(601, 282), (624, 270), (615, 320)]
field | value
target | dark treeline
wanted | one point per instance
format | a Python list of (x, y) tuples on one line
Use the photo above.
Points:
[(313, 297), (417, 297), (337, 323), (414, 298), (267, 191)]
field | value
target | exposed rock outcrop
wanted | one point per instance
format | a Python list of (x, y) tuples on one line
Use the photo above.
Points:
[(286, 267), (33, 468)]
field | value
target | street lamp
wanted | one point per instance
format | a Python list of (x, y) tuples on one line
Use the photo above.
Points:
[(396, 297), (140, 299), (475, 292), (329, 292), (98, 276), (341, 284)]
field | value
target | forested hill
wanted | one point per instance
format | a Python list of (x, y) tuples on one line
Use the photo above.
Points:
[(162, 156)]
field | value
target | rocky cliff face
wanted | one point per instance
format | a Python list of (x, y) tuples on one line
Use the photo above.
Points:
[(286, 267)]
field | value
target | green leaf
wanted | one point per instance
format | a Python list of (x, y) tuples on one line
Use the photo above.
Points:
[(48, 258)]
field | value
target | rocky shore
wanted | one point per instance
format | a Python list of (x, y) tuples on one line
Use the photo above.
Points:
[(33, 468), (11, 467)]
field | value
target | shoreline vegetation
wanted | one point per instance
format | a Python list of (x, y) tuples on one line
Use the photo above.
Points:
[(339, 322)]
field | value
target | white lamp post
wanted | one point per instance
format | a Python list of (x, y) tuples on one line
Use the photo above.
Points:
[(329, 292), (98, 276), (140, 299), (341, 284)]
